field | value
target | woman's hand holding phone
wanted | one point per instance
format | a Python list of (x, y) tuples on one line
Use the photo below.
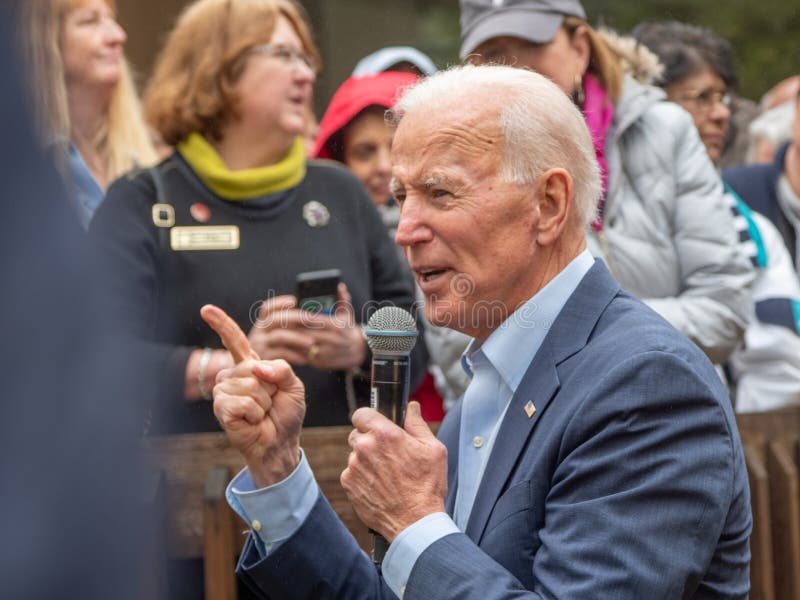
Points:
[(325, 341)]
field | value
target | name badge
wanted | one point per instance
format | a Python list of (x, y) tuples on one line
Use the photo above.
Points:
[(209, 237)]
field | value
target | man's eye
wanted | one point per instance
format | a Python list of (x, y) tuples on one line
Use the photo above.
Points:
[(439, 193), (399, 196)]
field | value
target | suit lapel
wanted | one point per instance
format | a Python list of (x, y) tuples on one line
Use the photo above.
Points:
[(540, 385)]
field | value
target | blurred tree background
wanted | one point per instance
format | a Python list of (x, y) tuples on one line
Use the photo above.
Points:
[(765, 34)]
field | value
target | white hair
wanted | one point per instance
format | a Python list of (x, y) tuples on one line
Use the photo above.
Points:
[(773, 126), (541, 127)]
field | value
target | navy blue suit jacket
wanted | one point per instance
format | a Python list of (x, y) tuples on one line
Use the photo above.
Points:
[(627, 482)]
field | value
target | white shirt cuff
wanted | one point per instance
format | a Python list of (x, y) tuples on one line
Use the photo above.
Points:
[(409, 545), (276, 512)]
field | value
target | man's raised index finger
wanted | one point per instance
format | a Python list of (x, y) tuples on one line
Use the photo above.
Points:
[(232, 336)]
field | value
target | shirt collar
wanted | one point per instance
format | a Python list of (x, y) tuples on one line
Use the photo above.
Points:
[(510, 348)]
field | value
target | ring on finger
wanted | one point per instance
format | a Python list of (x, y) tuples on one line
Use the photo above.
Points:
[(313, 352)]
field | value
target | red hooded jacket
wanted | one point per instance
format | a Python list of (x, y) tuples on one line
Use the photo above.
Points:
[(353, 96)]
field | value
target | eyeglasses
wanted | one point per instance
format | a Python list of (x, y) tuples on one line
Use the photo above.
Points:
[(510, 52), (705, 100), (287, 55)]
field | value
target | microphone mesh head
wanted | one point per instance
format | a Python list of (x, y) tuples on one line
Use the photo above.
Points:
[(391, 329)]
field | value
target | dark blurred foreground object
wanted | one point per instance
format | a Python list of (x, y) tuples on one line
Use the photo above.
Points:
[(68, 478)]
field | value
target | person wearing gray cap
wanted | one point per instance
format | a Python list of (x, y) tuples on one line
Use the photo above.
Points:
[(663, 227)]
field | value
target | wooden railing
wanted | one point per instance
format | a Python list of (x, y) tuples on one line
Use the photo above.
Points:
[(190, 474), (192, 518), (772, 453)]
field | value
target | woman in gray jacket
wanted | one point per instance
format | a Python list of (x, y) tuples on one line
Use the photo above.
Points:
[(699, 76), (663, 227)]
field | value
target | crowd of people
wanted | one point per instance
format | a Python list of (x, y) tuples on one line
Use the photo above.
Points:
[(232, 153), (557, 165)]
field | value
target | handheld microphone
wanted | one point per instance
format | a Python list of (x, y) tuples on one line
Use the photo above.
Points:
[(391, 335)]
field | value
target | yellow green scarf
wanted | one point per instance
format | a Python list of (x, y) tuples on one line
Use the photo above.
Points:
[(247, 183)]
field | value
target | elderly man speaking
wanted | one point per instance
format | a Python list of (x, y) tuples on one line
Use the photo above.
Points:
[(594, 453)]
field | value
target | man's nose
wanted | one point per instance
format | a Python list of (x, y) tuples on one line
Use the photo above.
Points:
[(412, 229)]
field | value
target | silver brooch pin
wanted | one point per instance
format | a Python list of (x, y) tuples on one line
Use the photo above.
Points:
[(316, 214)]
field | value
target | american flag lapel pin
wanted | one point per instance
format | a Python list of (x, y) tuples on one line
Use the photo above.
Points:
[(530, 409)]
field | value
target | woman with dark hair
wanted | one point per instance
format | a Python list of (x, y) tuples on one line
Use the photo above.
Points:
[(662, 226), (699, 75), (236, 213)]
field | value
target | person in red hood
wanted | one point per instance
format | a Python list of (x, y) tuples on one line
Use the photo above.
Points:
[(353, 131)]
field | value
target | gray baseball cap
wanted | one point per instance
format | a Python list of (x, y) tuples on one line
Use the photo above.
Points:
[(533, 20)]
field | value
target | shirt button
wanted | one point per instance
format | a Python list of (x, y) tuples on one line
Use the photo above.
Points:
[(256, 525), (477, 441)]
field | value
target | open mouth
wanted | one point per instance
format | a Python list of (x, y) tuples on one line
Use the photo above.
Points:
[(428, 275)]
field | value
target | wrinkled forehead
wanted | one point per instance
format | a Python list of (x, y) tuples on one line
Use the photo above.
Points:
[(461, 132)]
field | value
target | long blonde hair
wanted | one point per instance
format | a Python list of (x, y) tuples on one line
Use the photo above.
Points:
[(123, 141)]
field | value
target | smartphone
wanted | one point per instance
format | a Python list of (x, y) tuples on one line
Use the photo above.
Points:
[(318, 291)]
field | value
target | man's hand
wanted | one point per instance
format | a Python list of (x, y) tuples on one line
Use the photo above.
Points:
[(394, 476), (333, 342), (260, 404)]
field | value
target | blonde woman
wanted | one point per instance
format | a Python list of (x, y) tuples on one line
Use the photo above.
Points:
[(83, 95)]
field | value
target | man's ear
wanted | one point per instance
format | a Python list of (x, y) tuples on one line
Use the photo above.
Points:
[(556, 201)]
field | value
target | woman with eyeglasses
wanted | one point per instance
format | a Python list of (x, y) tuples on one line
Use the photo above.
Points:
[(237, 212), (699, 75), (662, 227)]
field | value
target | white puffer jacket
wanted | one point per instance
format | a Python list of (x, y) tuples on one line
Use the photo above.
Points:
[(669, 236)]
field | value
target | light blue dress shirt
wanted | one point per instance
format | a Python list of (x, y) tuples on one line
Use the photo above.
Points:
[(497, 367), (275, 512), (86, 193)]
